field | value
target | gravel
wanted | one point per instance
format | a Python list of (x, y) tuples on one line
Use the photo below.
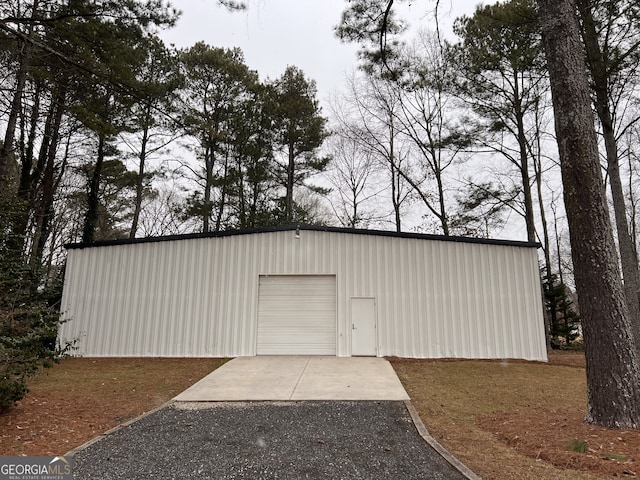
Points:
[(292, 440)]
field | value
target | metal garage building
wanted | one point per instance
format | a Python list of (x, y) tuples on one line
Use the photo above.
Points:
[(305, 290)]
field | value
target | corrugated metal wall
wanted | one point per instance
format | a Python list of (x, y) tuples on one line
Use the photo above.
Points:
[(198, 297)]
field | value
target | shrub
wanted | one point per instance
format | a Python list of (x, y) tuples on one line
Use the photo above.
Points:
[(28, 342), (29, 317)]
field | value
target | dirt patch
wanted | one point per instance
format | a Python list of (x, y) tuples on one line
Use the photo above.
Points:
[(566, 358), (552, 435), (81, 398)]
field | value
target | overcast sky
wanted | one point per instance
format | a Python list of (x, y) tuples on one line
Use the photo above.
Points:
[(276, 33)]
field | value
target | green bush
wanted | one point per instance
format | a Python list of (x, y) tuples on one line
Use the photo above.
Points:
[(29, 317), (28, 342)]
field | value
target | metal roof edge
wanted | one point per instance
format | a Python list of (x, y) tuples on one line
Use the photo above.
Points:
[(317, 228)]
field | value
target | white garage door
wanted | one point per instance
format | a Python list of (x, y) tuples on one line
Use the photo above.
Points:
[(297, 315)]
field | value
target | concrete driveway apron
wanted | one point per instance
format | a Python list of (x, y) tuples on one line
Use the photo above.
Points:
[(298, 378)]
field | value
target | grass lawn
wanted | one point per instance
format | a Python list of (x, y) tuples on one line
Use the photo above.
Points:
[(517, 420), (81, 398), (504, 420)]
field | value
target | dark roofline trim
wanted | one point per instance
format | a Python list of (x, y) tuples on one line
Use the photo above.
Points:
[(315, 228)]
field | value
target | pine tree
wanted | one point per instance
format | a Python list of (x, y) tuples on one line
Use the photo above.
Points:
[(301, 130), (564, 318)]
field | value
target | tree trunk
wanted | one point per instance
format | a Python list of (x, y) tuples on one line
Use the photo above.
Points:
[(7, 150), (613, 373), (223, 192), (444, 221), (93, 201), (524, 164), (290, 181), (633, 203), (546, 244), (208, 165), (28, 180), (27, 156), (253, 206), (44, 210), (395, 177), (31, 176), (557, 240), (628, 257), (140, 178), (353, 223), (242, 199)]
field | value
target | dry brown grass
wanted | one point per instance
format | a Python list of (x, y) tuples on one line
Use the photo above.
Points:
[(515, 420), (81, 398)]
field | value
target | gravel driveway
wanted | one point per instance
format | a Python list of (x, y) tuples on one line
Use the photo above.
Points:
[(292, 440)]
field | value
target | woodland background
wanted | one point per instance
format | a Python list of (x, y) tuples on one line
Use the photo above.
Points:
[(106, 133)]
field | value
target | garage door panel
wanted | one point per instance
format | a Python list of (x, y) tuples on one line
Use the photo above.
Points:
[(297, 315)]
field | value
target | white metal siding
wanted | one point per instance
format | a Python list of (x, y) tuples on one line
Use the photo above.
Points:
[(297, 315), (199, 297)]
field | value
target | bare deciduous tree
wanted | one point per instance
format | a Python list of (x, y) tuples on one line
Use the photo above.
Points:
[(353, 174)]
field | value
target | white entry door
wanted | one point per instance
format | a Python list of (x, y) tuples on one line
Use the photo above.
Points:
[(363, 327)]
